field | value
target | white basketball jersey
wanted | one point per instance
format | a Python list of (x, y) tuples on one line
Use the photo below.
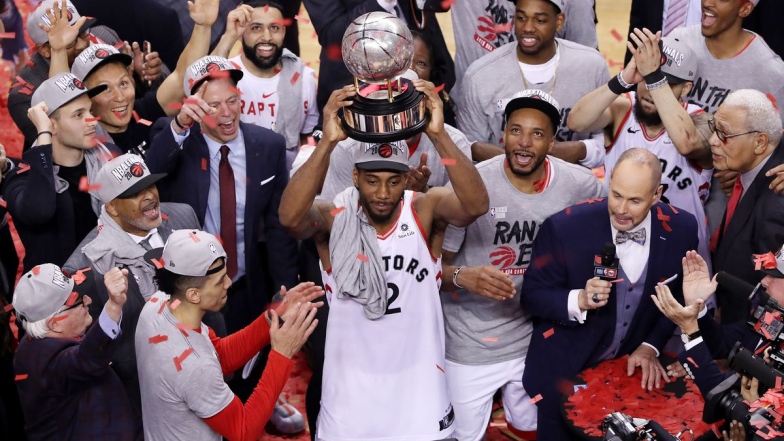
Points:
[(686, 186), (384, 379)]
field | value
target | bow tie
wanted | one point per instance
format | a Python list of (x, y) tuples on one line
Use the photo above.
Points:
[(637, 236)]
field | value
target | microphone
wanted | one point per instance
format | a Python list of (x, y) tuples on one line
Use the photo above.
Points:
[(605, 266)]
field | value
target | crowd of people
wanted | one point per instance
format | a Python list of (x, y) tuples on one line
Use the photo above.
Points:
[(189, 220)]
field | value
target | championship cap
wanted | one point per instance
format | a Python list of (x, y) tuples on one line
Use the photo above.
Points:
[(188, 253), (123, 177), (96, 56), (558, 4), (60, 90), (38, 16), (382, 156), (770, 263), (46, 288), (535, 99), (206, 68), (678, 62)]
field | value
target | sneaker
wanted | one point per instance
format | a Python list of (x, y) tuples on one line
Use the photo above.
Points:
[(287, 419)]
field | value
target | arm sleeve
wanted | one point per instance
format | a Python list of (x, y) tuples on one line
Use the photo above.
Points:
[(453, 238), (236, 349), (164, 151), (30, 192), (594, 151), (697, 360), (19, 101), (246, 423), (87, 360), (331, 18)]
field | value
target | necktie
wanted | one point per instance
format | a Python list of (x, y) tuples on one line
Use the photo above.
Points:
[(636, 237), (145, 243), (228, 211), (676, 15), (737, 191)]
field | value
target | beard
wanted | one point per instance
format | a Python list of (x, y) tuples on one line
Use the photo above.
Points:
[(537, 162), (375, 217), (648, 119), (262, 62)]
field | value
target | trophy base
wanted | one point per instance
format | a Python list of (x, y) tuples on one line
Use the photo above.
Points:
[(373, 118)]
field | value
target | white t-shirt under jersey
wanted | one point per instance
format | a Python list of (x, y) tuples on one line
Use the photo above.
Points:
[(384, 379), (686, 186)]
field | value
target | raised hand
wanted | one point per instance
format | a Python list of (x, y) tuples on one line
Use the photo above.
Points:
[(419, 176), (62, 35), (647, 54), (332, 128), (195, 109), (685, 317), (237, 21), (289, 338), (697, 284), (38, 115), (595, 295), (434, 105), (204, 12), (148, 66), (304, 293)]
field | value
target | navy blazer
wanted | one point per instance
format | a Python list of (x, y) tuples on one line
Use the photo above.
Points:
[(562, 260), (189, 182), (756, 228)]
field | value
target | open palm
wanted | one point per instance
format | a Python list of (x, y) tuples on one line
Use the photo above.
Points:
[(697, 283)]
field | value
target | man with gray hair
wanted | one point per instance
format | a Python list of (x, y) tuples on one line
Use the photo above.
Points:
[(65, 384), (746, 139)]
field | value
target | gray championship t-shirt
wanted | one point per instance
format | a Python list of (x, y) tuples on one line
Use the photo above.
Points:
[(341, 162), (493, 79), (180, 377), (479, 330), (481, 26)]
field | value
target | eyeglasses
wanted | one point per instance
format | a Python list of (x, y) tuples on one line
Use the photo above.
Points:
[(79, 302), (723, 137)]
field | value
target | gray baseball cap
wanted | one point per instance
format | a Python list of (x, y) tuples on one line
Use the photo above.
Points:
[(558, 4), (209, 67), (382, 156), (678, 62), (123, 177), (60, 90), (96, 56), (38, 16), (535, 99), (46, 288), (188, 253)]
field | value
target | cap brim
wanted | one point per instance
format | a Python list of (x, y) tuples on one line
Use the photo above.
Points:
[(153, 254), (673, 80), (83, 280), (534, 103), (772, 272), (89, 92), (121, 57), (236, 76), (140, 185), (383, 165), (88, 24)]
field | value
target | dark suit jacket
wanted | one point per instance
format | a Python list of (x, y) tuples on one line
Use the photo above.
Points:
[(175, 217), (332, 17), (562, 260), (644, 14), (189, 182), (756, 228)]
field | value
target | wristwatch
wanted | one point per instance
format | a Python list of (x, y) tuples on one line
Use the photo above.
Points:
[(690, 337)]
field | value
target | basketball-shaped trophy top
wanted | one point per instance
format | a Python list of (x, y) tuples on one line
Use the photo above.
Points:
[(377, 47)]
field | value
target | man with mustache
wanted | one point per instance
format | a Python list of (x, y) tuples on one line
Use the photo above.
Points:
[(48, 195), (278, 90)]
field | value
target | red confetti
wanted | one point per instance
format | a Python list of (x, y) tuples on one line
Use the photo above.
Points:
[(362, 257), (490, 339), (536, 399), (210, 121), (235, 90), (85, 186), (174, 304), (195, 237), (157, 262), (236, 66), (666, 227), (455, 296), (20, 377), (311, 141), (204, 164), (438, 89), (674, 211), (117, 114), (294, 78), (72, 298), (501, 28), (301, 19), (446, 4), (549, 333), (440, 369), (449, 161), (616, 35), (26, 91), (141, 120), (95, 118), (22, 168), (617, 280), (9, 35), (154, 299), (691, 360), (772, 100), (163, 305), (183, 328), (164, 216), (175, 106), (60, 318), (119, 45), (36, 270), (30, 63), (266, 8), (194, 101), (334, 52), (778, 382), (8, 307), (179, 359), (155, 339), (336, 211)]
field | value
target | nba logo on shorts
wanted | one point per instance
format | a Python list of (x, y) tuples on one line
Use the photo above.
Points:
[(492, 212)]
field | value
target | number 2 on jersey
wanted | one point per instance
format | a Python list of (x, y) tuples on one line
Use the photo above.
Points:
[(392, 297)]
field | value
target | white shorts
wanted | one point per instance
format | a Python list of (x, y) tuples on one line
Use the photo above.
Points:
[(472, 389)]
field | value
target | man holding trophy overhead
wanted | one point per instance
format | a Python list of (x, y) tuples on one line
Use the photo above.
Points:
[(384, 358)]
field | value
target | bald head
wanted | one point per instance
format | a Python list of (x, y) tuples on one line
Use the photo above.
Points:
[(644, 158)]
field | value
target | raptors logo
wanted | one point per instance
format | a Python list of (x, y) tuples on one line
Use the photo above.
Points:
[(137, 170), (101, 54), (503, 257), (213, 67), (78, 84), (385, 150)]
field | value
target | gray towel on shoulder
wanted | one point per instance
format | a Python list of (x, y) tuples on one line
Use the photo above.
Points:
[(364, 281)]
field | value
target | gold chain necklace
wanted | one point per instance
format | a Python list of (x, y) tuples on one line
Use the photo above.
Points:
[(555, 71)]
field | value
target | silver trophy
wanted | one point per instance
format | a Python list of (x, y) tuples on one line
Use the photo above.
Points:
[(377, 49)]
